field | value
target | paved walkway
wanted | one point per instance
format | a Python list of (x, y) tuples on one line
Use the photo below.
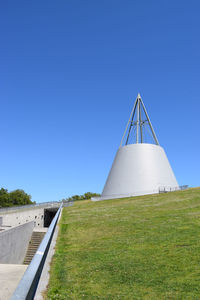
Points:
[(10, 276), (40, 229)]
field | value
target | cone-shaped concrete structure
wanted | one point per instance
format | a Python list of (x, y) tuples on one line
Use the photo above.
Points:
[(140, 167)]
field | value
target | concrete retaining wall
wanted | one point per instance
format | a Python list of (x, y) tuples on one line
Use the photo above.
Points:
[(14, 243), (18, 217)]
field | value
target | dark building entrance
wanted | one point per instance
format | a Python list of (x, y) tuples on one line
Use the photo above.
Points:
[(49, 214)]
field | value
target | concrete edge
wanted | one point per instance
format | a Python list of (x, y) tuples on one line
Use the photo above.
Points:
[(11, 228)]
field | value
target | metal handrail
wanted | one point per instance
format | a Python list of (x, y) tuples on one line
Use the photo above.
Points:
[(166, 189), (28, 284)]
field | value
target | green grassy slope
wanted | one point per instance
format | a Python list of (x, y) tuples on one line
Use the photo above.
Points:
[(144, 247)]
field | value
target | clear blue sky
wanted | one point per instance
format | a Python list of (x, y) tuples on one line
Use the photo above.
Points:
[(70, 72)]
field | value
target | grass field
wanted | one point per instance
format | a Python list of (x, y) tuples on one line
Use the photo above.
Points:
[(144, 247)]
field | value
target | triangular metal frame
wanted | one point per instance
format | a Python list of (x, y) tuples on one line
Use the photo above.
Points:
[(139, 123)]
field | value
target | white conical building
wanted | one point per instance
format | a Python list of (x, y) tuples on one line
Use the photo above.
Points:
[(140, 166)]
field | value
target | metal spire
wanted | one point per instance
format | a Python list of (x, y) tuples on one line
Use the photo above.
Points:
[(136, 122)]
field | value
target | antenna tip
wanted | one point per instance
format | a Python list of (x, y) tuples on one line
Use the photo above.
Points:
[(138, 96)]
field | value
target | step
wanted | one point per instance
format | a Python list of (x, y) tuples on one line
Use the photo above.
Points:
[(34, 243)]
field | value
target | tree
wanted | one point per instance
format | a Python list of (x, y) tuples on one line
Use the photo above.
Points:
[(19, 197), (85, 196), (4, 198), (16, 197)]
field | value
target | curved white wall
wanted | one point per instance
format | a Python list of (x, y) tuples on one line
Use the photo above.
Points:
[(138, 169)]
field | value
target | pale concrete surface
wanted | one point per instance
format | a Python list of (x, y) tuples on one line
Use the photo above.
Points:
[(14, 216), (40, 229), (14, 243), (18, 217), (10, 275)]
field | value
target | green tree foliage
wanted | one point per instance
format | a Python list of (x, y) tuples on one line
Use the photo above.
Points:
[(85, 196), (4, 198), (13, 198)]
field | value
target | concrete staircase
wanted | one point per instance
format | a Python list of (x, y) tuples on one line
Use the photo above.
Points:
[(34, 243)]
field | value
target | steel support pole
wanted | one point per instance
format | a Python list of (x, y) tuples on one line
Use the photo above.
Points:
[(141, 134), (131, 125), (131, 116), (153, 133), (137, 135)]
